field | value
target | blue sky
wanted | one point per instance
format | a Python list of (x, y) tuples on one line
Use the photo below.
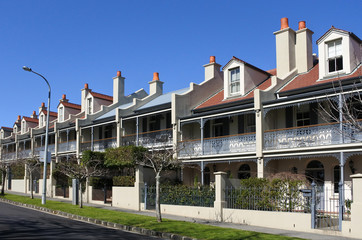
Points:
[(76, 42)]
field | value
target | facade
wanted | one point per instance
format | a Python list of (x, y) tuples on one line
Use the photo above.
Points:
[(240, 119)]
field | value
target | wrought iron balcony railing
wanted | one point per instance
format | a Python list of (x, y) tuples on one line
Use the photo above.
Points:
[(99, 145), (69, 146), (218, 145), (149, 139), (310, 136)]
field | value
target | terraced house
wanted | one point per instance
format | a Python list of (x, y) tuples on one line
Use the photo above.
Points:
[(303, 117)]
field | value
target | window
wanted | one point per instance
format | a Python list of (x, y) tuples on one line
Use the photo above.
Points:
[(42, 122), (61, 114), (23, 127), (303, 116), (337, 177), (244, 171), (89, 106), (335, 59), (315, 172), (218, 127), (206, 176), (250, 123), (234, 80)]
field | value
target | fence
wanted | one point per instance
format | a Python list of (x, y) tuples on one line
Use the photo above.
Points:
[(180, 195), (267, 199)]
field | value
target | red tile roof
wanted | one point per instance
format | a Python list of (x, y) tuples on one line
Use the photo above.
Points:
[(53, 114), (71, 105), (218, 98), (248, 64), (311, 78), (102, 96), (28, 119), (7, 128), (272, 71)]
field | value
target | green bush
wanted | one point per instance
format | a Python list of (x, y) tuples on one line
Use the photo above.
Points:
[(61, 179), (18, 171), (98, 183), (124, 181)]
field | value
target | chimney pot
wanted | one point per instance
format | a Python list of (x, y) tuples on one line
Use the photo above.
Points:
[(64, 96), (212, 59), (34, 113), (301, 25), (42, 104), (118, 73), (284, 23), (155, 76), (86, 86), (19, 117)]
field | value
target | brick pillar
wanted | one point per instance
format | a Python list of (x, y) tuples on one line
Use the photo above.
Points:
[(220, 203)]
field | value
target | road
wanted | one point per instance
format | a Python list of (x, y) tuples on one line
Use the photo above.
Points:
[(22, 223)]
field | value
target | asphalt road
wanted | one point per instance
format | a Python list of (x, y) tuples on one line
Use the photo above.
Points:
[(22, 223)]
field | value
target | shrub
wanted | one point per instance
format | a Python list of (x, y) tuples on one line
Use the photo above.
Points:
[(124, 181)]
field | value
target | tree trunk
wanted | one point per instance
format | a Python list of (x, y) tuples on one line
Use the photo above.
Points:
[(3, 182), (158, 207), (80, 194), (31, 186)]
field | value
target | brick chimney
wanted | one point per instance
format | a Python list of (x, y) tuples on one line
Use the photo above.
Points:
[(285, 48), (118, 87), (42, 107), (64, 98), (212, 69), (34, 115), (156, 86), (85, 92), (303, 48), (294, 50)]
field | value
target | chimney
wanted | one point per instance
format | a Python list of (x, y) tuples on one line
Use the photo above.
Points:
[(64, 98), (156, 86), (42, 107), (285, 49), (19, 119), (118, 87), (85, 92), (212, 69), (34, 115), (303, 48)]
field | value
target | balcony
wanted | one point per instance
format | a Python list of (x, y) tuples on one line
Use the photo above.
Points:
[(156, 138), (9, 156), (310, 136), (99, 145), (24, 153), (219, 145), (70, 146), (51, 149)]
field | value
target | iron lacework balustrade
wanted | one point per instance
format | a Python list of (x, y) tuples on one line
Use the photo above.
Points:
[(219, 145), (69, 146), (310, 136), (156, 138), (99, 145)]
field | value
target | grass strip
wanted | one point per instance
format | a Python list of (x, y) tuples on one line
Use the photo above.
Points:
[(194, 230)]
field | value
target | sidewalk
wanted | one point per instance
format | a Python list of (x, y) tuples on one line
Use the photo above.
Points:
[(202, 221)]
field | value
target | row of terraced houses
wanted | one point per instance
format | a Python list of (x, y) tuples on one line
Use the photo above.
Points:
[(240, 119)]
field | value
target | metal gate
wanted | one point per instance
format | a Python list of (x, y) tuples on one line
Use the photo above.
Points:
[(327, 209)]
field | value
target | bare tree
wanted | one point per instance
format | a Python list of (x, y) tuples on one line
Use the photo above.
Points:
[(32, 165), (90, 165), (4, 167)]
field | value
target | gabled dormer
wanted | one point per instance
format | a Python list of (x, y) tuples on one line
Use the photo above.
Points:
[(5, 132), (29, 122), (65, 109), (43, 116), (339, 53), (92, 101), (241, 77), (17, 125)]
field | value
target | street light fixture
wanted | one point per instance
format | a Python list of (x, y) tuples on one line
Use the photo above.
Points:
[(43, 198)]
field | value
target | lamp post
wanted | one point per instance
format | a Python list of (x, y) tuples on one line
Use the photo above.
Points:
[(43, 198)]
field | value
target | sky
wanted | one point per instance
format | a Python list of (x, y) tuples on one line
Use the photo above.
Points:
[(87, 41)]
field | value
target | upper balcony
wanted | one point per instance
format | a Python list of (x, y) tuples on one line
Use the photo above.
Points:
[(310, 136), (237, 143), (150, 139), (99, 145), (70, 146)]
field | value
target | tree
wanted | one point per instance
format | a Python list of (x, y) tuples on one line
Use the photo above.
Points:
[(32, 165), (4, 167), (158, 158), (90, 165)]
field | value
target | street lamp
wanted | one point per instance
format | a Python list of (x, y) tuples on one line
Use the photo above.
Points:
[(43, 198)]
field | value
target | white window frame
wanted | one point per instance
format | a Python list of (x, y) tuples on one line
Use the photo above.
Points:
[(234, 82), (336, 53), (61, 114), (23, 127), (303, 110), (89, 105)]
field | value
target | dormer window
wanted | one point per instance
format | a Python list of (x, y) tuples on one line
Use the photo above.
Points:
[(335, 59), (89, 106), (61, 114), (234, 80), (42, 120), (23, 127)]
